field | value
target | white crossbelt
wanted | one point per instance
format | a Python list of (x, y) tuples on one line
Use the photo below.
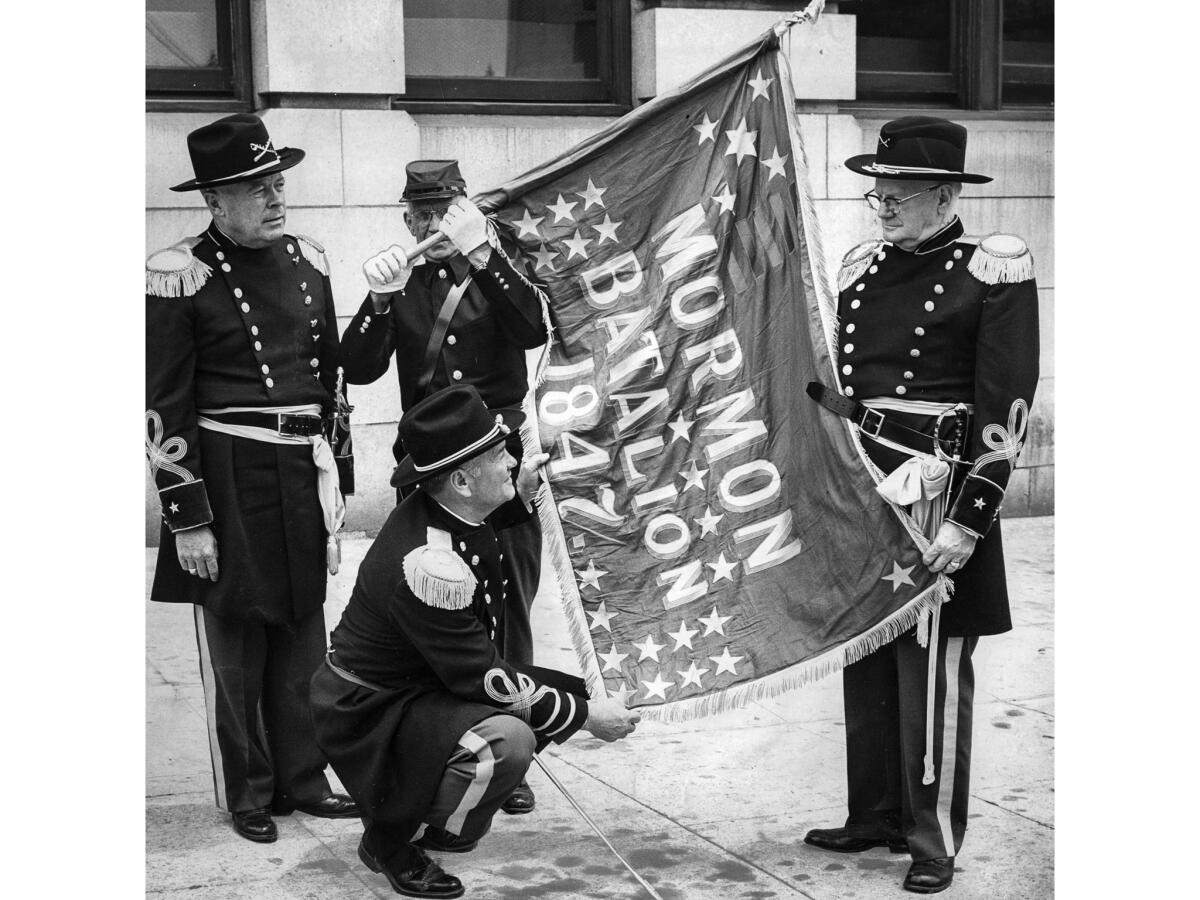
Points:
[(333, 507)]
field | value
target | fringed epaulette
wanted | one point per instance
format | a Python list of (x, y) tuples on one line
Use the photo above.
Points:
[(175, 271), (1002, 259), (314, 253), (856, 262), (437, 575)]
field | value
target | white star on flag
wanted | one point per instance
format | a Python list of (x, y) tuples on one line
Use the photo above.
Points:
[(174, 507), (899, 576), (591, 195), (691, 676), (714, 623), (601, 618), (590, 575), (680, 426), (979, 504), (623, 694), (612, 659), (607, 229), (725, 200), (658, 687), (527, 225), (775, 164), (708, 522), (544, 255), (694, 478), (725, 662), (577, 245), (706, 130), (722, 569), (741, 141), (649, 648), (759, 86), (562, 209), (683, 637)]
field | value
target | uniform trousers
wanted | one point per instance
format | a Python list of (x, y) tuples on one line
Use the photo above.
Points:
[(260, 732), (885, 705), (489, 761)]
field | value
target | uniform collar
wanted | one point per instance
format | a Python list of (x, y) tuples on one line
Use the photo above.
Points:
[(458, 265), (443, 517), (225, 242), (943, 237)]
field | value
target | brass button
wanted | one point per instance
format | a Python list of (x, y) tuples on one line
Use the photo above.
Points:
[(919, 331), (846, 370), (270, 382), (226, 267), (929, 306), (258, 345), (855, 304), (254, 329), (451, 340), (265, 368), (291, 248), (237, 292), (850, 328), (914, 352), (908, 376), (457, 376), (245, 307), (314, 362), (849, 348), (848, 391), (938, 289), (901, 389)]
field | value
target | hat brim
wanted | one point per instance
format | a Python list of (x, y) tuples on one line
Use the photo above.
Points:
[(441, 194), (865, 165), (406, 473), (288, 157)]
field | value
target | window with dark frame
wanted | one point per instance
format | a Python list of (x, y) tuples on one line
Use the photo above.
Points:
[(534, 52), (197, 50), (963, 54)]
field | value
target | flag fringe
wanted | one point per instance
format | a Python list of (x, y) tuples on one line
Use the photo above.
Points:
[(556, 546), (800, 674)]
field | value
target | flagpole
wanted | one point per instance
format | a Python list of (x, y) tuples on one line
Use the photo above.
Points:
[(596, 828)]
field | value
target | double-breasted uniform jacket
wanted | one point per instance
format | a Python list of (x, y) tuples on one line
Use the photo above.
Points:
[(502, 314), (953, 321), (228, 326), (419, 649)]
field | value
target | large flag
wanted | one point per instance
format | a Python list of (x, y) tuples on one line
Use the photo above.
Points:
[(716, 534)]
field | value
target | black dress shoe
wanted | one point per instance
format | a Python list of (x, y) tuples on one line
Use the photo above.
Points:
[(928, 876), (413, 874), (335, 806), (856, 839), (255, 825), (520, 801), (443, 841)]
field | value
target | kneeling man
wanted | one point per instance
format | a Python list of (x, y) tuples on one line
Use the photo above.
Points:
[(416, 708)]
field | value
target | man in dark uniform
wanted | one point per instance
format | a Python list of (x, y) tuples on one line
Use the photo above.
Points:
[(937, 353), (241, 355), (421, 715), (465, 315)]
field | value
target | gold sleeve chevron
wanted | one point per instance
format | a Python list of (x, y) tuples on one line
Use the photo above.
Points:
[(856, 262), (439, 578), (314, 253), (175, 271), (1002, 259)]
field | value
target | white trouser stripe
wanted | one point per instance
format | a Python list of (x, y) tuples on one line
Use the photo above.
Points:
[(954, 648), (485, 767), (207, 678)]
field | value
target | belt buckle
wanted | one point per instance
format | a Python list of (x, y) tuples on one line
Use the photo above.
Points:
[(292, 425), (282, 425), (876, 423)]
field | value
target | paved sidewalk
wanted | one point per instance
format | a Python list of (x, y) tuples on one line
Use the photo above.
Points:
[(712, 809)]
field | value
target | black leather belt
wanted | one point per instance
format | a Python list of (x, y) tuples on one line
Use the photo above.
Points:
[(281, 423), (876, 424)]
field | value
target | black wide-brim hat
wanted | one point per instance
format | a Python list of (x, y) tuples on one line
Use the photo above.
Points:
[(234, 149), (447, 429), (918, 148), (432, 179)]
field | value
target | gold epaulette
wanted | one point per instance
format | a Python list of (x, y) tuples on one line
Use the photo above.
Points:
[(175, 271), (1001, 259), (314, 253), (437, 575), (857, 261)]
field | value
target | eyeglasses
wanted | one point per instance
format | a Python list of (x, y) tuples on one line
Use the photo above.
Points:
[(425, 216), (893, 203)]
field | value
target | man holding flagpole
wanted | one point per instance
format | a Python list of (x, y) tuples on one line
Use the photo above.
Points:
[(465, 314), (937, 352)]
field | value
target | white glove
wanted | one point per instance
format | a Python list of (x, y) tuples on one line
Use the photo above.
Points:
[(387, 272), (465, 226)]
